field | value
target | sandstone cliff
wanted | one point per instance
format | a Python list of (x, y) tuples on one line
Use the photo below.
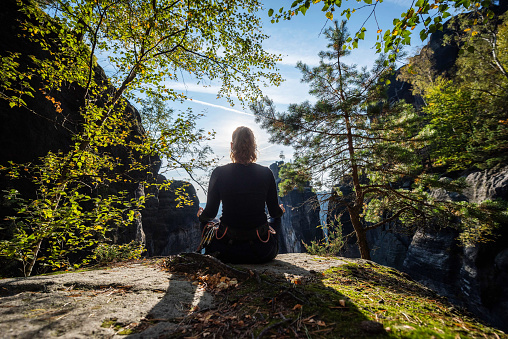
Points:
[(170, 229), (301, 220)]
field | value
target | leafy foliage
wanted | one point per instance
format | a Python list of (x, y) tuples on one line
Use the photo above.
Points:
[(430, 14), (332, 244), (150, 44), (464, 113), (104, 253)]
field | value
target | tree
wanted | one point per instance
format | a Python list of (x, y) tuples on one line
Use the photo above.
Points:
[(465, 109), (352, 135), (150, 44), (331, 136), (429, 13)]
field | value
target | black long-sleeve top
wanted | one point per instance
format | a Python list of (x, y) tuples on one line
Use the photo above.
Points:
[(243, 190)]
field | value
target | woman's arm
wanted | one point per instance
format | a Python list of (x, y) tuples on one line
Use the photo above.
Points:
[(212, 199), (272, 200)]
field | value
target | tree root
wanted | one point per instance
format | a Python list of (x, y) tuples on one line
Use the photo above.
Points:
[(192, 262)]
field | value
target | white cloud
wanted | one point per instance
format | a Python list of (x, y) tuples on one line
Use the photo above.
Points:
[(402, 3), (309, 58), (192, 87)]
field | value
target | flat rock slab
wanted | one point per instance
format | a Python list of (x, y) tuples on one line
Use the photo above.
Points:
[(76, 305), (103, 303), (297, 264)]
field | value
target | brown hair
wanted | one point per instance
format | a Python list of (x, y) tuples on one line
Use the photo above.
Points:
[(243, 148)]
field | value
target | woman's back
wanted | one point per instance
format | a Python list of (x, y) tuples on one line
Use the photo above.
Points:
[(243, 189)]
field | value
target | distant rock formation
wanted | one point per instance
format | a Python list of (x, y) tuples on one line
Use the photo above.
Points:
[(170, 229), (301, 220)]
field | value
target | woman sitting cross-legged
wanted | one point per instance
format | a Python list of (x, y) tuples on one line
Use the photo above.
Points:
[(244, 187)]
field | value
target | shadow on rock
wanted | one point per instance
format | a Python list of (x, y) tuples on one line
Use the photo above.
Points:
[(285, 297)]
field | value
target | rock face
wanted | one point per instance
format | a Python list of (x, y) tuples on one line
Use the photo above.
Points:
[(301, 220), (443, 59), (474, 277), (170, 229)]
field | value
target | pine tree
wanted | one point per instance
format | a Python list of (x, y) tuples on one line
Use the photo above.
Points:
[(336, 135)]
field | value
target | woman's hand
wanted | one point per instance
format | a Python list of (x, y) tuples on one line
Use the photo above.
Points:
[(200, 210), (282, 208)]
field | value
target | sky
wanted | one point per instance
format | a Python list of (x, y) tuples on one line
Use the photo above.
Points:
[(299, 39)]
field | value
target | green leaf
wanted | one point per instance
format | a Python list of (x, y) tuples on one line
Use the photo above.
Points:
[(423, 34), (270, 12)]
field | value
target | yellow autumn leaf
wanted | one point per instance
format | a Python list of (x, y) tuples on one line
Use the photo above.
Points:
[(467, 29), (379, 30)]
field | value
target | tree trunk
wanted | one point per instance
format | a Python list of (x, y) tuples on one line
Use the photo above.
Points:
[(354, 212), (35, 252), (361, 234)]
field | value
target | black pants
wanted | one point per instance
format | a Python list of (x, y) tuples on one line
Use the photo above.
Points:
[(245, 252)]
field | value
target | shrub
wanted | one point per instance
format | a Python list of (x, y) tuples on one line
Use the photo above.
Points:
[(331, 245), (108, 253)]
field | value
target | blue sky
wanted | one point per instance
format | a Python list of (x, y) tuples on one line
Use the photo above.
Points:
[(299, 39)]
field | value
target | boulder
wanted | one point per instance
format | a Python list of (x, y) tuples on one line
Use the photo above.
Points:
[(487, 185)]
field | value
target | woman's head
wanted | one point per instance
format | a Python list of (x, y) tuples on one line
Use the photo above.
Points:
[(243, 146)]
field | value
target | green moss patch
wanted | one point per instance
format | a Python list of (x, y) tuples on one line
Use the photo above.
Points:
[(357, 300)]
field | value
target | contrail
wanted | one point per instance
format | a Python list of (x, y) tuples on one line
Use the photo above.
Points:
[(222, 107), (266, 147)]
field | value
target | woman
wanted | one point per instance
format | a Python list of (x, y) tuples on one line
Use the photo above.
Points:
[(244, 187)]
